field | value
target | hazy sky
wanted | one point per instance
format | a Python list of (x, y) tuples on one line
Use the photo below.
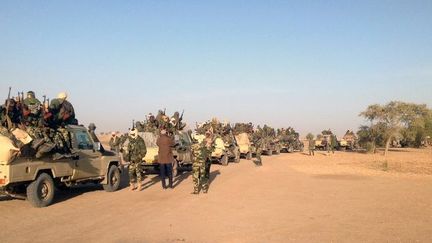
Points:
[(308, 64)]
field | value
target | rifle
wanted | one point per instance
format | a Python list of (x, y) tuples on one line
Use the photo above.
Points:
[(181, 116), (133, 125), (8, 119)]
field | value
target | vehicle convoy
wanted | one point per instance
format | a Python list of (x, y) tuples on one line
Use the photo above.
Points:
[(182, 152), (290, 141), (223, 152), (149, 130), (24, 176)]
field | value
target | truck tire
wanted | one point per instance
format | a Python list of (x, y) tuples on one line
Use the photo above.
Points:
[(40, 193), (249, 156), (113, 179), (269, 152), (224, 160)]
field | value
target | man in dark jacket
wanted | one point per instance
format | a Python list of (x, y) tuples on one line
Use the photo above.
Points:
[(165, 158)]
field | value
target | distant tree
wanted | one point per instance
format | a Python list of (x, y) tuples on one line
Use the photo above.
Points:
[(371, 137), (393, 118), (327, 132), (309, 136), (416, 134)]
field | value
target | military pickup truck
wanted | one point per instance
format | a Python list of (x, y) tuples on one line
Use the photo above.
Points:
[(182, 153), (37, 179)]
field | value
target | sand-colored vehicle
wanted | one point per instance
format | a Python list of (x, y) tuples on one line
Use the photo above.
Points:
[(182, 152), (321, 142), (349, 141), (290, 144), (271, 146), (224, 151), (23, 176), (245, 145)]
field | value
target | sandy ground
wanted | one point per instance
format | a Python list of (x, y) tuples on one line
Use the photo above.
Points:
[(345, 197)]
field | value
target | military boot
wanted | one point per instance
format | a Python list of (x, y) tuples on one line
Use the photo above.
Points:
[(139, 186)]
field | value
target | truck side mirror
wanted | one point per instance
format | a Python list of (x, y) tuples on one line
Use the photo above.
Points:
[(97, 146)]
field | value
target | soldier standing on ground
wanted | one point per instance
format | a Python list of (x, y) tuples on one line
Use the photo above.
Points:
[(201, 153), (333, 143), (136, 152), (257, 140), (114, 142), (311, 147)]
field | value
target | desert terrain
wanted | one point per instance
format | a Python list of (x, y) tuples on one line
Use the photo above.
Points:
[(342, 197)]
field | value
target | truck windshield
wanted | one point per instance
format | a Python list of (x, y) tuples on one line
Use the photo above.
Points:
[(83, 140)]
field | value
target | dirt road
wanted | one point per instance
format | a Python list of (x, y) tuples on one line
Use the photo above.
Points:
[(292, 198)]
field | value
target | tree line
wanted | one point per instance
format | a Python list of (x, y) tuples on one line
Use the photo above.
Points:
[(408, 123)]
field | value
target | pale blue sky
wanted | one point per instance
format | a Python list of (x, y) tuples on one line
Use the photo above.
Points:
[(308, 64)]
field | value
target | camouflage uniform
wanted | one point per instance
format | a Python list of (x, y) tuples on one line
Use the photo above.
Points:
[(63, 112), (333, 143), (258, 145), (201, 166), (136, 152), (114, 143), (32, 111), (312, 147)]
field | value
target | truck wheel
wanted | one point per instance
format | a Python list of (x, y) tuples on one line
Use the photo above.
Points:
[(113, 179), (249, 156), (269, 152), (40, 193), (224, 160)]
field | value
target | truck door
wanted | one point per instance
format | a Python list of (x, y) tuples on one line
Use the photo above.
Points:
[(88, 162)]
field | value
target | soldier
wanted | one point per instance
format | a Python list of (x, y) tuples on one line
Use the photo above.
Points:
[(63, 111), (92, 129), (257, 140), (31, 110), (176, 121), (201, 153), (311, 147), (114, 142), (136, 152), (10, 115), (333, 143)]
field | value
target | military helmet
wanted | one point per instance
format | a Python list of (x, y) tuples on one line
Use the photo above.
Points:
[(92, 126), (31, 94)]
